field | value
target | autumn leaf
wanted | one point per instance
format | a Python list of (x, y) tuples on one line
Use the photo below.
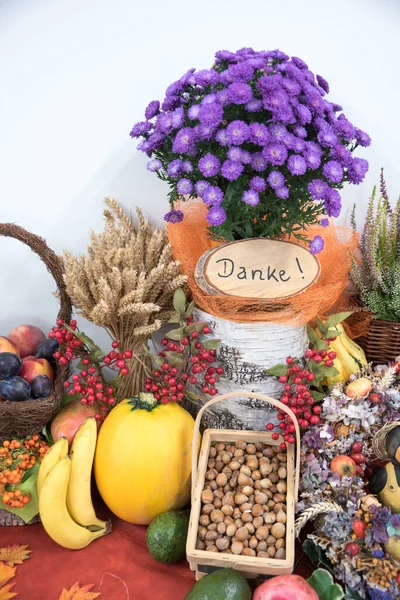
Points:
[(78, 593), (14, 555), (6, 573), (6, 594)]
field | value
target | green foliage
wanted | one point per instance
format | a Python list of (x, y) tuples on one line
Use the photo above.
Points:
[(28, 485), (322, 582), (278, 370), (377, 278)]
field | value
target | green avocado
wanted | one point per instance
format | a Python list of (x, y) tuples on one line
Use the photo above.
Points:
[(224, 584), (166, 536)]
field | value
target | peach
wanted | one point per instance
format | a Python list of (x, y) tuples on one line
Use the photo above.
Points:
[(68, 420), (285, 587), (344, 465), (32, 367), (6, 345), (359, 388), (26, 338)]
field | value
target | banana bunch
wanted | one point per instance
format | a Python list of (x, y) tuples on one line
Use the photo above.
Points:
[(65, 503)]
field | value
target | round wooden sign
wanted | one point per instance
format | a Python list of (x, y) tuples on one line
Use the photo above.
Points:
[(257, 268)]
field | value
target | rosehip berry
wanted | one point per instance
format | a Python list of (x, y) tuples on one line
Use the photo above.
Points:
[(124, 371), (309, 354), (128, 354), (375, 398), (180, 395), (317, 410), (289, 360), (194, 335), (310, 401), (329, 363), (275, 436), (220, 370), (72, 392), (115, 344), (107, 360), (352, 549), (359, 528), (164, 342), (317, 358), (147, 387), (280, 416), (165, 366), (282, 446), (285, 400), (63, 360), (356, 447), (164, 400), (332, 355), (184, 376), (120, 364), (154, 388), (283, 378), (314, 420), (193, 380), (213, 392), (171, 346), (206, 329), (195, 360), (270, 426), (359, 458), (311, 377), (297, 379), (206, 389), (288, 388)]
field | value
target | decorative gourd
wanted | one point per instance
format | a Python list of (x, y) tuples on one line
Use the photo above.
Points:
[(142, 464)]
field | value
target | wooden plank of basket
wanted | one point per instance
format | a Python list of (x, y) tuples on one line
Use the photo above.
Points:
[(257, 268)]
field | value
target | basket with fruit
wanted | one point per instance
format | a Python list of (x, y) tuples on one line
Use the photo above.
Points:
[(31, 386)]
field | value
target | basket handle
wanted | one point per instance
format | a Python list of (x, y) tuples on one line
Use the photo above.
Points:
[(48, 256), (267, 399)]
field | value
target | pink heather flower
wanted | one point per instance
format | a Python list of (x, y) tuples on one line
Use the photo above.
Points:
[(251, 197), (154, 165), (240, 93), (232, 170), (282, 192), (238, 132), (316, 245), (258, 184), (333, 171), (209, 165), (213, 195), (276, 179), (259, 134), (216, 216), (297, 165)]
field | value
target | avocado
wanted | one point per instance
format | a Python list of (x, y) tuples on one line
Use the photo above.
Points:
[(166, 536), (224, 584)]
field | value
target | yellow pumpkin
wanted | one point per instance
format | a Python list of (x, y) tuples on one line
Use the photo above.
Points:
[(143, 459)]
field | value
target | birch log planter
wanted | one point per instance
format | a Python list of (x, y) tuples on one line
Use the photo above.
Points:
[(247, 350)]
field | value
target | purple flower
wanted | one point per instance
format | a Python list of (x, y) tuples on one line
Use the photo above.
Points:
[(174, 216), (332, 202), (185, 186), (155, 140), (175, 167), (276, 101), (300, 131), (291, 86), (235, 153), (276, 154), (177, 117), (211, 114), (362, 138), (313, 160), (139, 128), (222, 137), (152, 109), (231, 170), (209, 165), (336, 107), (209, 99), (251, 197), (205, 132), (245, 157), (216, 215), (377, 534), (222, 97), (254, 105), (282, 192), (164, 122), (324, 222), (258, 184), (240, 93), (201, 186), (294, 143), (316, 245), (225, 55), (300, 64), (327, 137), (143, 146), (342, 154), (345, 128), (333, 171), (183, 141), (187, 166), (297, 165), (357, 170), (154, 165), (276, 179), (241, 72), (259, 134), (238, 132), (317, 189), (212, 194), (267, 83), (258, 162), (323, 83), (193, 112), (170, 103), (206, 77), (316, 103), (313, 147), (303, 113), (278, 132)]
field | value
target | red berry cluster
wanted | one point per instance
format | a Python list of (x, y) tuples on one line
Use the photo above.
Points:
[(319, 356), (298, 397), (168, 382), (89, 382)]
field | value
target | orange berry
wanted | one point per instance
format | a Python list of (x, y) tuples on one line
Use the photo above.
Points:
[(26, 499), (6, 444), (17, 493), (5, 498)]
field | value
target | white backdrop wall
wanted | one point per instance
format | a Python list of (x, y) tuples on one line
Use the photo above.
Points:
[(76, 74)]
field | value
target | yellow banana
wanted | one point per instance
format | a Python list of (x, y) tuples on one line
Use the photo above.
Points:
[(58, 451), (79, 500), (354, 349), (54, 514), (342, 376), (344, 356)]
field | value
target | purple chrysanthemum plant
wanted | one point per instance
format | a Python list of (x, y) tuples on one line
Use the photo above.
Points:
[(377, 276), (257, 140)]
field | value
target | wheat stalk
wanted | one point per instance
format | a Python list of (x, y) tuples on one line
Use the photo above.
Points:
[(312, 512)]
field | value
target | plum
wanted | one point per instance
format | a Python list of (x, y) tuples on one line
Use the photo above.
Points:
[(41, 386), (15, 389), (10, 364), (46, 349)]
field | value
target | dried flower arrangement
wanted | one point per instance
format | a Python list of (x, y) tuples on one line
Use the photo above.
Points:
[(125, 284), (377, 276)]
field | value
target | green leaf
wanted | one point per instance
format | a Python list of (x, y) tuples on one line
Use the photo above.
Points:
[(321, 345), (175, 358), (189, 310), (212, 344), (174, 319), (175, 334), (197, 326), (318, 395), (316, 554), (322, 582), (278, 370), (66, 398), (332, 333), (312, 335), (47, 435), (327, 371), (28, 485), (338, 318), (321, 326), (180, 302)]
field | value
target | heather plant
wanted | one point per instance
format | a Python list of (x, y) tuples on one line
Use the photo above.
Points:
[(256, 139), (377, 277)]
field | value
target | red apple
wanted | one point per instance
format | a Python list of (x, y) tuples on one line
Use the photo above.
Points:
[(67, 422), (32, 367), (26, 338), (6, 345), (344, 465), (285, 587)]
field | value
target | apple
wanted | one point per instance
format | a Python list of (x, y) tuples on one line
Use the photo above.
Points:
[(344, 465), (26, 338), (285, 587), (68, 420), (32, 367), (6, 345)]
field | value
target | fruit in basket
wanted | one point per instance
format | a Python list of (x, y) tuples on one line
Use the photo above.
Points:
[(10, 364), (26, 338), (6, 345), (46, 349), (285, 587), (32, 367), (41, 386), (344, 465), (68, 420), (15, 389), (143, 458), (224, 584), (54, 513), (166, 536), (79, 499)]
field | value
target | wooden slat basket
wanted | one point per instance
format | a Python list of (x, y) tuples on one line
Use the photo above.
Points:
[(203, 562)]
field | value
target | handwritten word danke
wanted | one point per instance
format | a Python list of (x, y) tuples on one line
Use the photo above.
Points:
[(228, 268)]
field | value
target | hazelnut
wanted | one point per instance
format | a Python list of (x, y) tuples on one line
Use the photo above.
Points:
[(251, 449), (281, 517), (249, 552), (231, 530), (200, 545), (226, 459), (265, 469), (281, 486), (256, 475), (227, 509), (253, 541), (279, 498), (221, 480), (211, 474), (217, 516), (207, 509), (221, 527), (247, 490), (207, 496), (262, 546), (213, 452), (240, 499), (252, 462), (262, 554), (246, 471), (237, 547), (271, 551), (211, 536), (234, 465), (242, 534), (269, 518), (282, 472), (278, 530), (257, 522), (257, 510), (261, 498), (204, 520), (244, 479), (222, 544), (262, 533), (280, 554), (217, 503), (241, 445), (250, 528), (212, 549), (271, 540), (280, 543)]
